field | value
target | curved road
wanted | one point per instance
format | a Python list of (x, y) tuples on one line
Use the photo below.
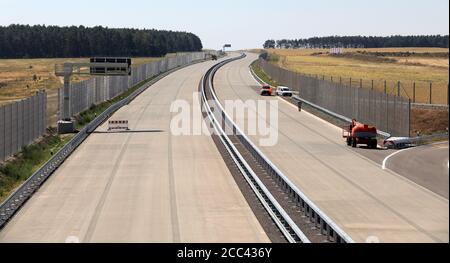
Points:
[(364, 200), (142, 186), (426, 165)]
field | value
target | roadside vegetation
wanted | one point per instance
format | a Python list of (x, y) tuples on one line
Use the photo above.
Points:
[(89, 115), (407, 65), (40, 41), (19, 168), (262, 75)]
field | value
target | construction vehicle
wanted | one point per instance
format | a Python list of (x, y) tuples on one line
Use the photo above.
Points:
[(358, 133), (266, 90)]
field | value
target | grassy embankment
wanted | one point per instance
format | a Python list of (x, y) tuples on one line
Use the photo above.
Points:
[(19, 168), (407, 65)]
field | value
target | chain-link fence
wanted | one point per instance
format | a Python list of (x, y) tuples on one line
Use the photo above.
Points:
[(21, 123), (99, 89), (388, 113)]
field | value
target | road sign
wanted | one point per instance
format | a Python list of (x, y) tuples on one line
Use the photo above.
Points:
[(110, 66), (104, 66)]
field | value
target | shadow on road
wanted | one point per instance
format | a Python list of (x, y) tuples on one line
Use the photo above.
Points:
[(137, 131)]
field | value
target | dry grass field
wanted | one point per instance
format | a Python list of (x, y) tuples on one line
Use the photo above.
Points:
[(407, 65), (21, 78)]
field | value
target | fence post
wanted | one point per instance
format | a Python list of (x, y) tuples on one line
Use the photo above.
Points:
[(360, 83), (372, 84), (387, 113), (350, 82), (398, 89), (409, 117), (340, 81), (431, 92), (385, 87), (414, 92), (2, 133)]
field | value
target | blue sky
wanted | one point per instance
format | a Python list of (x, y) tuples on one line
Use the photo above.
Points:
[(245, 23)]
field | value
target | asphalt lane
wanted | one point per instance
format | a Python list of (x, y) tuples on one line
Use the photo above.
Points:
[(143, 186), (426, 165), (363, 199)]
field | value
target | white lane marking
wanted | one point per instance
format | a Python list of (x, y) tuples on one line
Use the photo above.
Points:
[(399, 176), (391, 155), (250, 72)]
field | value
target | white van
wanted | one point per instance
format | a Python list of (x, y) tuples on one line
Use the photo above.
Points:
[(284, 91)]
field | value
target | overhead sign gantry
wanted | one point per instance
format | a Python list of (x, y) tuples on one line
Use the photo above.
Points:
[(98, 66), (226, 46)]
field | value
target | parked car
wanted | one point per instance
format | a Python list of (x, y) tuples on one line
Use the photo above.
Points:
[(284, 91), (398, 143)]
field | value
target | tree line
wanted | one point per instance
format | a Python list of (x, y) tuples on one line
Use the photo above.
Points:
[(40, 41), (361, 42)]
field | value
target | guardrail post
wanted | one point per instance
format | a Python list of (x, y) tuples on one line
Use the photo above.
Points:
[(385, 87), (414, 92), (398, 89)]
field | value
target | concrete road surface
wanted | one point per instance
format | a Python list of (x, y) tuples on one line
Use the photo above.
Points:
[(427, 165), (364, 200), (141, 186)]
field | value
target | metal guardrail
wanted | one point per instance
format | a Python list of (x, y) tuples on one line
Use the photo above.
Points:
[(286, 225), (426, 138), (331, 113), (18, 198), (315, 214), (430, 106)]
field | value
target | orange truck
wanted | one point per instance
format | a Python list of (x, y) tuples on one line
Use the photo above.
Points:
[(266, 90), (358, 133)]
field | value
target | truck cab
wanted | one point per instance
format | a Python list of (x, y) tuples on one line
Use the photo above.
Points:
[(266, 90), (358, 133)]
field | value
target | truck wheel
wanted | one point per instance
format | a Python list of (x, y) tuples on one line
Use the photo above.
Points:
[(354, 143)]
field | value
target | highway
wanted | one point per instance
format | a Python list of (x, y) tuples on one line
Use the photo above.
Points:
[(145, 185), (367, 202), (427, 165)]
